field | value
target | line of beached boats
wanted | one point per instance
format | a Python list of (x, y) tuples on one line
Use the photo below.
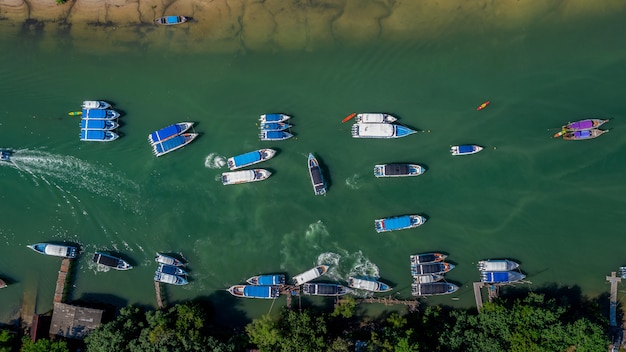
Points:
[(98, 121)]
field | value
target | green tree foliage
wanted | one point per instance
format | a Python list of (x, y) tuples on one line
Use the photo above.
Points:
[(43, 345), (293, 331), (393, 336), (181, 328), (6, 341), (533, 323), (345, 309)]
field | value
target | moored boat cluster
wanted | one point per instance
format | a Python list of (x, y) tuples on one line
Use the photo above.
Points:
[(499, 271), (98, 121), (427, 270)]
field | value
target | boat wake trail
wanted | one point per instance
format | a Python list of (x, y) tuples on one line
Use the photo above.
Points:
[(343, 263), (354, 181), (58, 170), (214, 161)]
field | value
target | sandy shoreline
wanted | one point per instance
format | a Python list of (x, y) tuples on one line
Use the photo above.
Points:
[(235, 25)]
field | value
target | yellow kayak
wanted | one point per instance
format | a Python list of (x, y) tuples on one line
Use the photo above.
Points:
[(75, 113)]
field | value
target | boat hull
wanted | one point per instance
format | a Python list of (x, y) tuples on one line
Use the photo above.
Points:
[(98, 136), (274, 135), (431, 268), (583, 125), (375, 118), (501, 277), (273, 118), (398, 170), (170, 279), (55, 250), (274, 126), (96, 104), (252, 291), (168, 132), (165, 259), (497, 265), (431, 289), (465, 149), (111, 261), (427, 279), (163, 147), (317, 178), (396, 223), (269, 280), (310, 275), (245, 176), (368, 284), (584, 135), (251, 158), (425, 258), (380, 130), (170, 20), (322, 289)]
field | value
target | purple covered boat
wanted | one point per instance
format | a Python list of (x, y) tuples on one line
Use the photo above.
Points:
[(582, 125)]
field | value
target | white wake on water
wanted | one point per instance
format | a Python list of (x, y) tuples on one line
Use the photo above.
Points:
[(214, 161), (354, 181)]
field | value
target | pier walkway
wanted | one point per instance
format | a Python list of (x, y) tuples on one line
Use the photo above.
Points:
[(60, 292), (159, 295), (614, 280), (493, 291)]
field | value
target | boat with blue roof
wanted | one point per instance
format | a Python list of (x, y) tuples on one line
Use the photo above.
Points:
[(402, 222), (398, 170), (433, 288), (5, 155), (273, 279), (465, 149), (274, 135), (368, 284), (171, 269), (111, 261), (56, 250), (255, 291), (265, 118), (380, 130), (168, 132), (97, 135), (171, 20), (94, 124), (250, 158), (244, 176), (324, 289), (170, 279), (96, 104), (102, 114), (172, 144), (274, 126), (317, 179), (431, 268), (501, 277), (584, 135)]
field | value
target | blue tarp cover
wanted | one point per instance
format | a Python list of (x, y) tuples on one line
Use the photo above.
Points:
[(169, 144), (247, 158), (497, 276), (92, 135), (269, 280), (94, 113), (583, 134), (165, 133), (466, 149), (93, 124), (396, 223), (171, 19), (257, 291), (272, 117), (274, 134)]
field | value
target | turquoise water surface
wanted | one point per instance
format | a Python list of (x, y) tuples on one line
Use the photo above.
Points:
[(555, 206)]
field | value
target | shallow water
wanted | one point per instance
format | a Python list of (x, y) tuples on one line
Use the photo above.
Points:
[(552, 205)]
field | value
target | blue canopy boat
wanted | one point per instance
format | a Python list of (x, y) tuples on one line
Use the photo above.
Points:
[(171, 144), (274, 135), (102, 114), (274, 279), (171, 20), (250, 291), (433, 288), (251, 158), (501, 277), (431, 268), (111, 261), (317, 179), (56, 250), (582, 135), (97, 135), (168, 132), (95, 104), (380, 130), (170, 279), (398, 223), (171, 269), (274, 126), (465, 149), (103, 125), (274, 118)]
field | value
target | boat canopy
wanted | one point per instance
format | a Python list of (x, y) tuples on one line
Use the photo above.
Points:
[(434, 288), (322, 289), (93, 124), (397, 223), (171, 19), (466, 149), (271, 279), (57, 250), (580, 125), (431, 268), (375, 130), (274, 117), (106, 260), (497, 265), (275, 135), (397, 169), (501, 276), (96, 135), (258, 291), (95, 113), (363, 284), (241, 176), (166, 132), (310, 274), (165, 146), (247, 158), (582, 134)]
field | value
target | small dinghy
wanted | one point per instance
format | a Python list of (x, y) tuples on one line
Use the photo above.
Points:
[(251, 291), (170, 279), (465, 149), (431, 268), (435, 288), (244, 176), (170, 20), (427, 258), (56, 250), (368, 284), (397, 170), (274, 126), (375, 118), (398, 223), (97, 136), (310, 274), (111, 261), (322, 289), (166, 259), (251, 158), (274, 135), (96, 104), (583, 135), (274, 279), (497, 265), (265, 118)]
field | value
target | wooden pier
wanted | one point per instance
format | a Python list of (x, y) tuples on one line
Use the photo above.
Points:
[(159, 295), (411, 304), (60, 293), (493, 291), (614, 280)]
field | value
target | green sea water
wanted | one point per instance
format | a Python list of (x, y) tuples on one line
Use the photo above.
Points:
[(555, 206)]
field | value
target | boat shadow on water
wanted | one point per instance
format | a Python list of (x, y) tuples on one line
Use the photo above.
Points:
[(325, 173)]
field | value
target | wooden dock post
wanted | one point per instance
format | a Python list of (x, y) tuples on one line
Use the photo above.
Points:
[(60, 291), (614, 280)]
